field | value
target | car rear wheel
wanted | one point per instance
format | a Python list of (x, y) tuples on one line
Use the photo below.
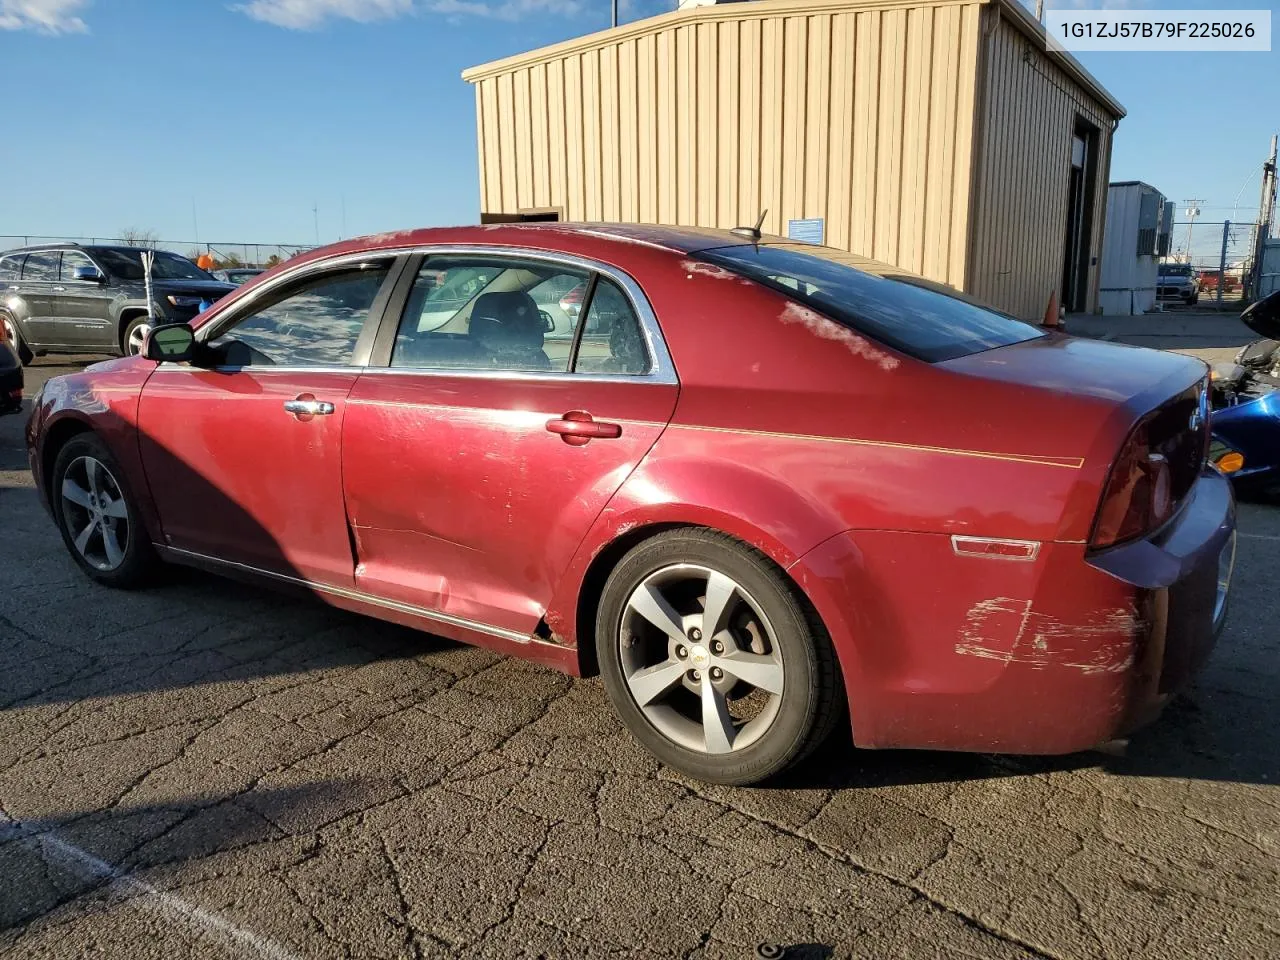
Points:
[(135, 333), (713, 661), (19, 345), (98, 515)]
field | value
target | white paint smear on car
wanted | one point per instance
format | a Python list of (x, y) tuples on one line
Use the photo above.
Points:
[(828, 329)]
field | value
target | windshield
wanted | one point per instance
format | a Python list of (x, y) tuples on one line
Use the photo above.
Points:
[(902, 311), (127, 265)]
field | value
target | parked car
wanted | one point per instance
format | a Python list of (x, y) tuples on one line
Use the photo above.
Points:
[(238, 275), (1207, 282), (1246, 405), (68, 298), (764, 487), (1177, 281), (11, 379)]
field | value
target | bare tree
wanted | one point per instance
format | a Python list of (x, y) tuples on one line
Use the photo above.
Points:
[(138, 238)]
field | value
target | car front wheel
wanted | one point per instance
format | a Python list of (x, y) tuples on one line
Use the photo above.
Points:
[(712, 660), (98, 516)]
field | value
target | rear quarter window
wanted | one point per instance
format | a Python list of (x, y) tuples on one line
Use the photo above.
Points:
[(901, 311)]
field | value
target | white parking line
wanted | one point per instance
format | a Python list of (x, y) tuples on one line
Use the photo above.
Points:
[(1259, 536), (152, 898)]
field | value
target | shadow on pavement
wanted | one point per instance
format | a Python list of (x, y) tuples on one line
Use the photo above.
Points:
[(47, 863)]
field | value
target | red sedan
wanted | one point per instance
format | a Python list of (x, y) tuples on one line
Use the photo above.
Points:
[(763, 488)]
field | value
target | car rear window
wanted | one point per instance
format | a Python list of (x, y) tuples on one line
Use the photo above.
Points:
[(903, 312)]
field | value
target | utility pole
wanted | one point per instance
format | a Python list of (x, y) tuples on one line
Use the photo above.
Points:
[(615, 12), (315, 214), (1193, 211), (1222, 260), (1266, 209), (1039, 10)]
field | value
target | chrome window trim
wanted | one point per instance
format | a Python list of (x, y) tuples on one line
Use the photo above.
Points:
[(662, 369), (183, 367), (359, 595), (246, 305)]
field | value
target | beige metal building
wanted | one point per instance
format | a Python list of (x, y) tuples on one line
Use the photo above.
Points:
[(938, 135)]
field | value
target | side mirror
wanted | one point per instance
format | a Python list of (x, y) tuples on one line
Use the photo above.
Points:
[(170, 343), (88, 274), (1263, 318)]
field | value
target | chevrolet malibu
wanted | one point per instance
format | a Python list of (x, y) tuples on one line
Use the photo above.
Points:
[(761, 488)]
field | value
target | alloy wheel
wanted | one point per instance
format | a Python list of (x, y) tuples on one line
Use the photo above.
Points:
[(95, 514), (137, 335), (700, 659)]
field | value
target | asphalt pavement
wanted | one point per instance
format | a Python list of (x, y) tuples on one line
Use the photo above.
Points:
[(210, 770)]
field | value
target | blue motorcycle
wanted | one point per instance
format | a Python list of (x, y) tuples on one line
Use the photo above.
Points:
[(1246, 406)]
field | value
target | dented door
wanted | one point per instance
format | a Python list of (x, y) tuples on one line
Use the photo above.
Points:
[(246, 465), (469, 495)]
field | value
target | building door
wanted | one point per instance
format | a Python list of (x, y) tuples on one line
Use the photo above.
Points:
[(1083, 177)]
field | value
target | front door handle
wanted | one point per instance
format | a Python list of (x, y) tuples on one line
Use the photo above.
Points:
[(306, 405), (577, 427), (59, 289)]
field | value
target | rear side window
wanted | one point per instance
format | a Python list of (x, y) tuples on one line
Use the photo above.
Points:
[(611, 337), (10, 268), (41, 266), (899, 311)]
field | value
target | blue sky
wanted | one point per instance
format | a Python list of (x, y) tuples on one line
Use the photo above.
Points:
[(256, 110)]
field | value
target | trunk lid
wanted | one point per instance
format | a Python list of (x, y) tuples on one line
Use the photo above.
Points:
[(1084, 398)]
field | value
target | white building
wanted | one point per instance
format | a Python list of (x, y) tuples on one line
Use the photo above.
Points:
[(1139, 221)]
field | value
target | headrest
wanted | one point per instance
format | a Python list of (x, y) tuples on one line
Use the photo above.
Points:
[(507, 322)]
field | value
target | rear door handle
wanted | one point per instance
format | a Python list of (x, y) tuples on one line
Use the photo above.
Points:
[(577, 427), (59, 289), (308, 406)]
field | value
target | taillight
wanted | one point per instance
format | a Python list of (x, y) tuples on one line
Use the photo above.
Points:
[(1139, 494)]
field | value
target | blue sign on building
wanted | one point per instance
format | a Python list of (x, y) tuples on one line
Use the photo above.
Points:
[(806, 231)]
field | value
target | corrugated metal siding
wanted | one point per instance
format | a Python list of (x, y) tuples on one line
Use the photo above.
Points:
[(1127, 284), (1028, 119), (861, 117)]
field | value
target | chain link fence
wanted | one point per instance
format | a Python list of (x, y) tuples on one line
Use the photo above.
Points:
[(1220, 255), (229, 254)]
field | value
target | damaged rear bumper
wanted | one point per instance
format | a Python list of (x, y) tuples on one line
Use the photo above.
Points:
[(1055, 655)]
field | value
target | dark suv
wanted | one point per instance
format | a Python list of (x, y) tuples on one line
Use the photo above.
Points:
[(68, 298)]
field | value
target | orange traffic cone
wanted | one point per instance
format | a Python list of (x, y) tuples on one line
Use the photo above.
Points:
[(1053, 313)]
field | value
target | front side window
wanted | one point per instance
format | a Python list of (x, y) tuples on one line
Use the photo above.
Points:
[(314, 323), (73, 260), (41, 266), (900, 310), (127, 265)]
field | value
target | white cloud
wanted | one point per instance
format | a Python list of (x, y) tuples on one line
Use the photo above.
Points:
[(506, 10), (44, 16), (1093, 4), (309, 14)]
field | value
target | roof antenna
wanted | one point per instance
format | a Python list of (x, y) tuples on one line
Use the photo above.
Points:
[(752, 233)]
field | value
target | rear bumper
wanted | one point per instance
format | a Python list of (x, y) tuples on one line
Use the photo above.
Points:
[(1050, 656)]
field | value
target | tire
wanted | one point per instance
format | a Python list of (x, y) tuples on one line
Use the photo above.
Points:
[(25, 356), (131, 339), (766, 631), (101, 504)]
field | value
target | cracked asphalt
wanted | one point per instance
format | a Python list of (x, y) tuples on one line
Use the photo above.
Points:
[(211, 770)]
